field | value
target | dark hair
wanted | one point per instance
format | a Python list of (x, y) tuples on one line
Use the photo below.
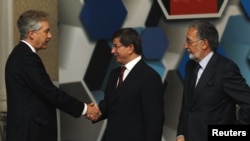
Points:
[(30, 20), (129, 36), (206, 30)]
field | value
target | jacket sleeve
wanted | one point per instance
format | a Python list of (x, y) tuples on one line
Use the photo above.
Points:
[(39, 81)]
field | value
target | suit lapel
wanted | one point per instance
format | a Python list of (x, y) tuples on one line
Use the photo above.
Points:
[(127, 81), (205, 78), (189, 80), (112, 93)]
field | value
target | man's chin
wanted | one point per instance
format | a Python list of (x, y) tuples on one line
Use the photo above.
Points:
[(191, 56), (44, 47)]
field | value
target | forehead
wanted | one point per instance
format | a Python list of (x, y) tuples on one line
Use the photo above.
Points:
[(192, 32), (116, 40), (45, 24)]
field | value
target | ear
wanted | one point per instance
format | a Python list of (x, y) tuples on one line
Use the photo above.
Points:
[(31, 34), (131, 48), (205, 44)]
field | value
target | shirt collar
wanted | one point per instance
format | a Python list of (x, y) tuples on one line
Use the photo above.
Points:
[(30, 46), (203, 63), (132, 63)]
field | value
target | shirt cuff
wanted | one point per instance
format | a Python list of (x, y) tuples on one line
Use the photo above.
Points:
[(85, 109), (179, 136)]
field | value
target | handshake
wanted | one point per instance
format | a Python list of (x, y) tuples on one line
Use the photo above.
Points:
[(93, 112)]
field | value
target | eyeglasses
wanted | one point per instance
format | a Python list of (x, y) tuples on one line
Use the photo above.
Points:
[(189, 42), (117, 46)]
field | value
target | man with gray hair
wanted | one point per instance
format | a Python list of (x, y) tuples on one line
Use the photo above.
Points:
[(32, 99), (213, 86)]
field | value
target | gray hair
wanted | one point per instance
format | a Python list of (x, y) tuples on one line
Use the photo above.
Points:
[(206, 30), (30, 20)]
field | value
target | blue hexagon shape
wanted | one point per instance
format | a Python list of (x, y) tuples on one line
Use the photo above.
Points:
[(154, 42), (246, 6), (102, 18), (236, 43)]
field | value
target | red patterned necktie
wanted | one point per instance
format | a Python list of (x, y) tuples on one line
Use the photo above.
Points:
[(120, 81)]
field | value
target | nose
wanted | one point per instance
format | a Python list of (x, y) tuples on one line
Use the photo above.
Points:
[(186, 45), (49, 35), (112, 50)]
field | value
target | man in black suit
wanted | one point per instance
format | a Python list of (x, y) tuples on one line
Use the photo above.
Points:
[(212, 97), (32, 98), (134, 111)]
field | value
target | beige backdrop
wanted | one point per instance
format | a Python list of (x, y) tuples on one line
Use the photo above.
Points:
[(50, 55)]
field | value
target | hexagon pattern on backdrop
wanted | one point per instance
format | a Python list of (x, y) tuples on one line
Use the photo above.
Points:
[(154, 42), (246, 6), (154, 15), (236, 44), (102, 18), (98, 66)]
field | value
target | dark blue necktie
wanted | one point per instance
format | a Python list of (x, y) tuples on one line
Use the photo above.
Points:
[(194, 75)]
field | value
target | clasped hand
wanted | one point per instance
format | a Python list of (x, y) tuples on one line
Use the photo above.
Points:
[(93, 112)]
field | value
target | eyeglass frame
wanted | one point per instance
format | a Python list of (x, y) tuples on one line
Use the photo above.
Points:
[(117, 46), (189, 42)]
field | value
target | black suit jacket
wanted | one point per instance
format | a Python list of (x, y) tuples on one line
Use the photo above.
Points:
[(214, 100), (32, 98), (135, 111)]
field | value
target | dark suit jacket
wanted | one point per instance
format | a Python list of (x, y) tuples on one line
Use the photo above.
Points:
[(135, 112), (214, 100), (32, 98)]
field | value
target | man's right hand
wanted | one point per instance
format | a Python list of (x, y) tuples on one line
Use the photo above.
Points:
[(180, 138), (93, 112)]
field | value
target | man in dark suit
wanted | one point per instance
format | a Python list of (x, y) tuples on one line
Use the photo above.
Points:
[(212, 97), (134, 111), (32, 98)]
